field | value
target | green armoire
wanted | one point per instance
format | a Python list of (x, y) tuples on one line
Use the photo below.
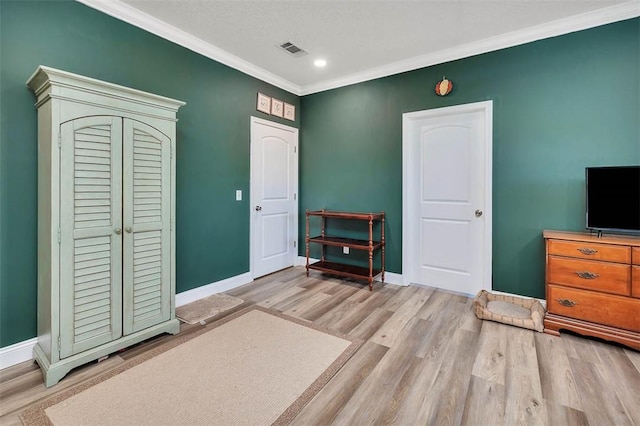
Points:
[(106, 218)]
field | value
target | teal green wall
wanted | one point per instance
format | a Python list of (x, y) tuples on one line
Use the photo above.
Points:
[(212, 148), (560, 105)]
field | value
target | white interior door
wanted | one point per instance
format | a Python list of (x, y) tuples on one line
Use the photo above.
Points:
[(447, 197), (274, 205)]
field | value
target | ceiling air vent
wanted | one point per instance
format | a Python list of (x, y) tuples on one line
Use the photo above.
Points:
[(292, 49)]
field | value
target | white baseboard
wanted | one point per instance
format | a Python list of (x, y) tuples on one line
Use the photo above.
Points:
[(389, 277), (17, 353), (302, 261), (213, 288), (393, 278)]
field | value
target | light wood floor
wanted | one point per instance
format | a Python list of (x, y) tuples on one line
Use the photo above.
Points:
[(427, 361)]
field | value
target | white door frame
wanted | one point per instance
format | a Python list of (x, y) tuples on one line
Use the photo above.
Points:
[(409, 188), (253, 202)]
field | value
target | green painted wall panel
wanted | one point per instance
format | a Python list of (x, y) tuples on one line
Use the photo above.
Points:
[(560, 105), (212, 153)]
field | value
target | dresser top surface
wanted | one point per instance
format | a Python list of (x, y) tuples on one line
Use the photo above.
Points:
[(627, 240)]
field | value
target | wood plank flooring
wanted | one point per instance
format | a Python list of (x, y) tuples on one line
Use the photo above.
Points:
[(427, 360)]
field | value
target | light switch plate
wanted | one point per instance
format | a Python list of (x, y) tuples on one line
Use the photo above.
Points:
[(238, 194)]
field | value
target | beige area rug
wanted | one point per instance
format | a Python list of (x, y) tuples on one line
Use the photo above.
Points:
[(255, 367), (207, 307)]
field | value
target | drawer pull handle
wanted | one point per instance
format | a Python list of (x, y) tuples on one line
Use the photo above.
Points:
[(587, 275), (566, 302), (588, 251)]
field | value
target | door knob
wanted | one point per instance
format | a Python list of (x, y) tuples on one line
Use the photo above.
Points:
[(478, 213), (118, 231), (128, 229), (258, 208)]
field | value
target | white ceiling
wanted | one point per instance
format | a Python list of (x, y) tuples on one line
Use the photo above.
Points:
[(359, 39)]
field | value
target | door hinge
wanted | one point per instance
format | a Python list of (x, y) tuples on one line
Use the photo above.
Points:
[(59, 235), (59, 140), (295, 149), (171, 151), (294, 244), (59, 343), (294, 196)]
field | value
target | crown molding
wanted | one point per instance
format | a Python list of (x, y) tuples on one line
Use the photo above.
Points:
[(559, 27), (126, 13), (135, 17)]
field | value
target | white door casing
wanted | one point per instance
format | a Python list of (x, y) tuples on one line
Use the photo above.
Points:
[(274, 204), (447, 227)]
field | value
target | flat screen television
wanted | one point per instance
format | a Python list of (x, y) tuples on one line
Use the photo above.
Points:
[(613, 199)]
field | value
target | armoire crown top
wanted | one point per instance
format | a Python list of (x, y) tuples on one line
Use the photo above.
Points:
[(47, 82)]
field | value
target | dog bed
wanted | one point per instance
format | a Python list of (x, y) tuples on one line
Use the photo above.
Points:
[(520, 312)]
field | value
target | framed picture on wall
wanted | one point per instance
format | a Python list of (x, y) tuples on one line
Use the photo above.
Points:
[(264, 103), (276, 107), (289, 112)]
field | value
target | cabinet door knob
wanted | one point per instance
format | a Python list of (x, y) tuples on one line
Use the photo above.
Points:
[(118, 231), (128, 229), (478, 213), (258, 208)]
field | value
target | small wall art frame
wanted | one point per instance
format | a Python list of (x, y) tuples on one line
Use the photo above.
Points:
[(277, 107), (264, 103), (289, 112)]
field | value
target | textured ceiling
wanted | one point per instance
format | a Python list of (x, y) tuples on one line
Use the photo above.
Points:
[(357, 38)]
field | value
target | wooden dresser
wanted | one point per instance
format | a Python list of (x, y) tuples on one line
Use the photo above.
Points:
[(593, 286)]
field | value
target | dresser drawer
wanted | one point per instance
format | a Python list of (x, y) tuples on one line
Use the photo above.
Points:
[(635, 282), (599, 276), (615, 311), (594, 251), (635, 256)]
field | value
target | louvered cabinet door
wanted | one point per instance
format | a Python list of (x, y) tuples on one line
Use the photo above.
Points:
[(90, 240), (147, 216)]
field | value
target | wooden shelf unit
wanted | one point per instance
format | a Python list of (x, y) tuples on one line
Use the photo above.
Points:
[(369, 245), (593, 286)]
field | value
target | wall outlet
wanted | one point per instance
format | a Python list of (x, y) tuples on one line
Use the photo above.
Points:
[(239, 195), (345, 250)]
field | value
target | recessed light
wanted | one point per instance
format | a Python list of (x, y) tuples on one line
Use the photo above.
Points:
[(320, 63)]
